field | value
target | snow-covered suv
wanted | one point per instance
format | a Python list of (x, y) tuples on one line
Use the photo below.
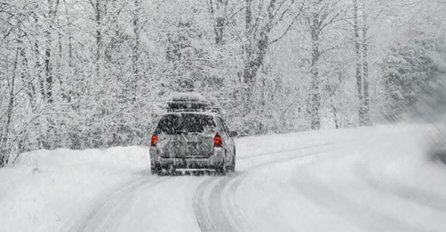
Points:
[(192, 136)]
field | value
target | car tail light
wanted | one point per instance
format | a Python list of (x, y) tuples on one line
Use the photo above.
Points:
[(154, 140), (217, 141)]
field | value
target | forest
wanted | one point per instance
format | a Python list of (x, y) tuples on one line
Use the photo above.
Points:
[(96, 73)]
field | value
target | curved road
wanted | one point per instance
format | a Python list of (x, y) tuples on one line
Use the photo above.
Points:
[(318, 187)]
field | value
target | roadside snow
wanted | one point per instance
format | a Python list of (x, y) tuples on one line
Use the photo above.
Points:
[(46, 190)]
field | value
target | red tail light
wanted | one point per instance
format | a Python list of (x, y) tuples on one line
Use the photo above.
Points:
[(153, 140), (217, 141)]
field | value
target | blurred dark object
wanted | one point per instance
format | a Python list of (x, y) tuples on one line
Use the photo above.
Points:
[(431, 107), (431, 110), (438, 155), (437, 150)]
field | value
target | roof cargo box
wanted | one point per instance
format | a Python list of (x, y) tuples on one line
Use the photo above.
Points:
[(188, 97), (188, 102)]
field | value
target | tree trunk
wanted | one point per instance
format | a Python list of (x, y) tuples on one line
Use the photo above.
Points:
[(219, 12), (5, 148), (255, 47), (48, 67), (49, 71), (315, 99), (63, 89), (38, 64), (365, 71), (135, 50), (52, 11), (26, 77), (97, 7), (248, 53), (335, 115), (359, 83)]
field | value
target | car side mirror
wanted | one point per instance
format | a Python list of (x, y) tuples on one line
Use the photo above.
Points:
[(233, 134)]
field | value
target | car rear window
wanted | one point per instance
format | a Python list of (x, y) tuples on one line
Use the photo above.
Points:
[(185, 123)]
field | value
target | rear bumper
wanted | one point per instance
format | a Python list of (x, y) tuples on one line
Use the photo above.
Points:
[(213, 161)]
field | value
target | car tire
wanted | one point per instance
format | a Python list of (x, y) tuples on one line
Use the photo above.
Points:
[(155, 169), (231, 167), (221, 170)]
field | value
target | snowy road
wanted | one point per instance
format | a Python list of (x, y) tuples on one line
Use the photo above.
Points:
[(371, 179), (154, 203)]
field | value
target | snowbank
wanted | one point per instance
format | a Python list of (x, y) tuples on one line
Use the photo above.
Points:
[(46, 188)]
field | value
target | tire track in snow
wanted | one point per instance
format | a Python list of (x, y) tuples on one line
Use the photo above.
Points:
[(201, 209), (102, 212), (214, 202)]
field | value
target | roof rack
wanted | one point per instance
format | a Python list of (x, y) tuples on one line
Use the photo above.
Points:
[(205, 109)]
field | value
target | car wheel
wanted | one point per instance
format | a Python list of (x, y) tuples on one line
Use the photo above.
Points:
[(221, 170), (155, 169), (232, 166), (171, 170)]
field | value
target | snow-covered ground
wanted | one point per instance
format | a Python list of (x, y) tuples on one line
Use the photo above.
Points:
[(367, 179)]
